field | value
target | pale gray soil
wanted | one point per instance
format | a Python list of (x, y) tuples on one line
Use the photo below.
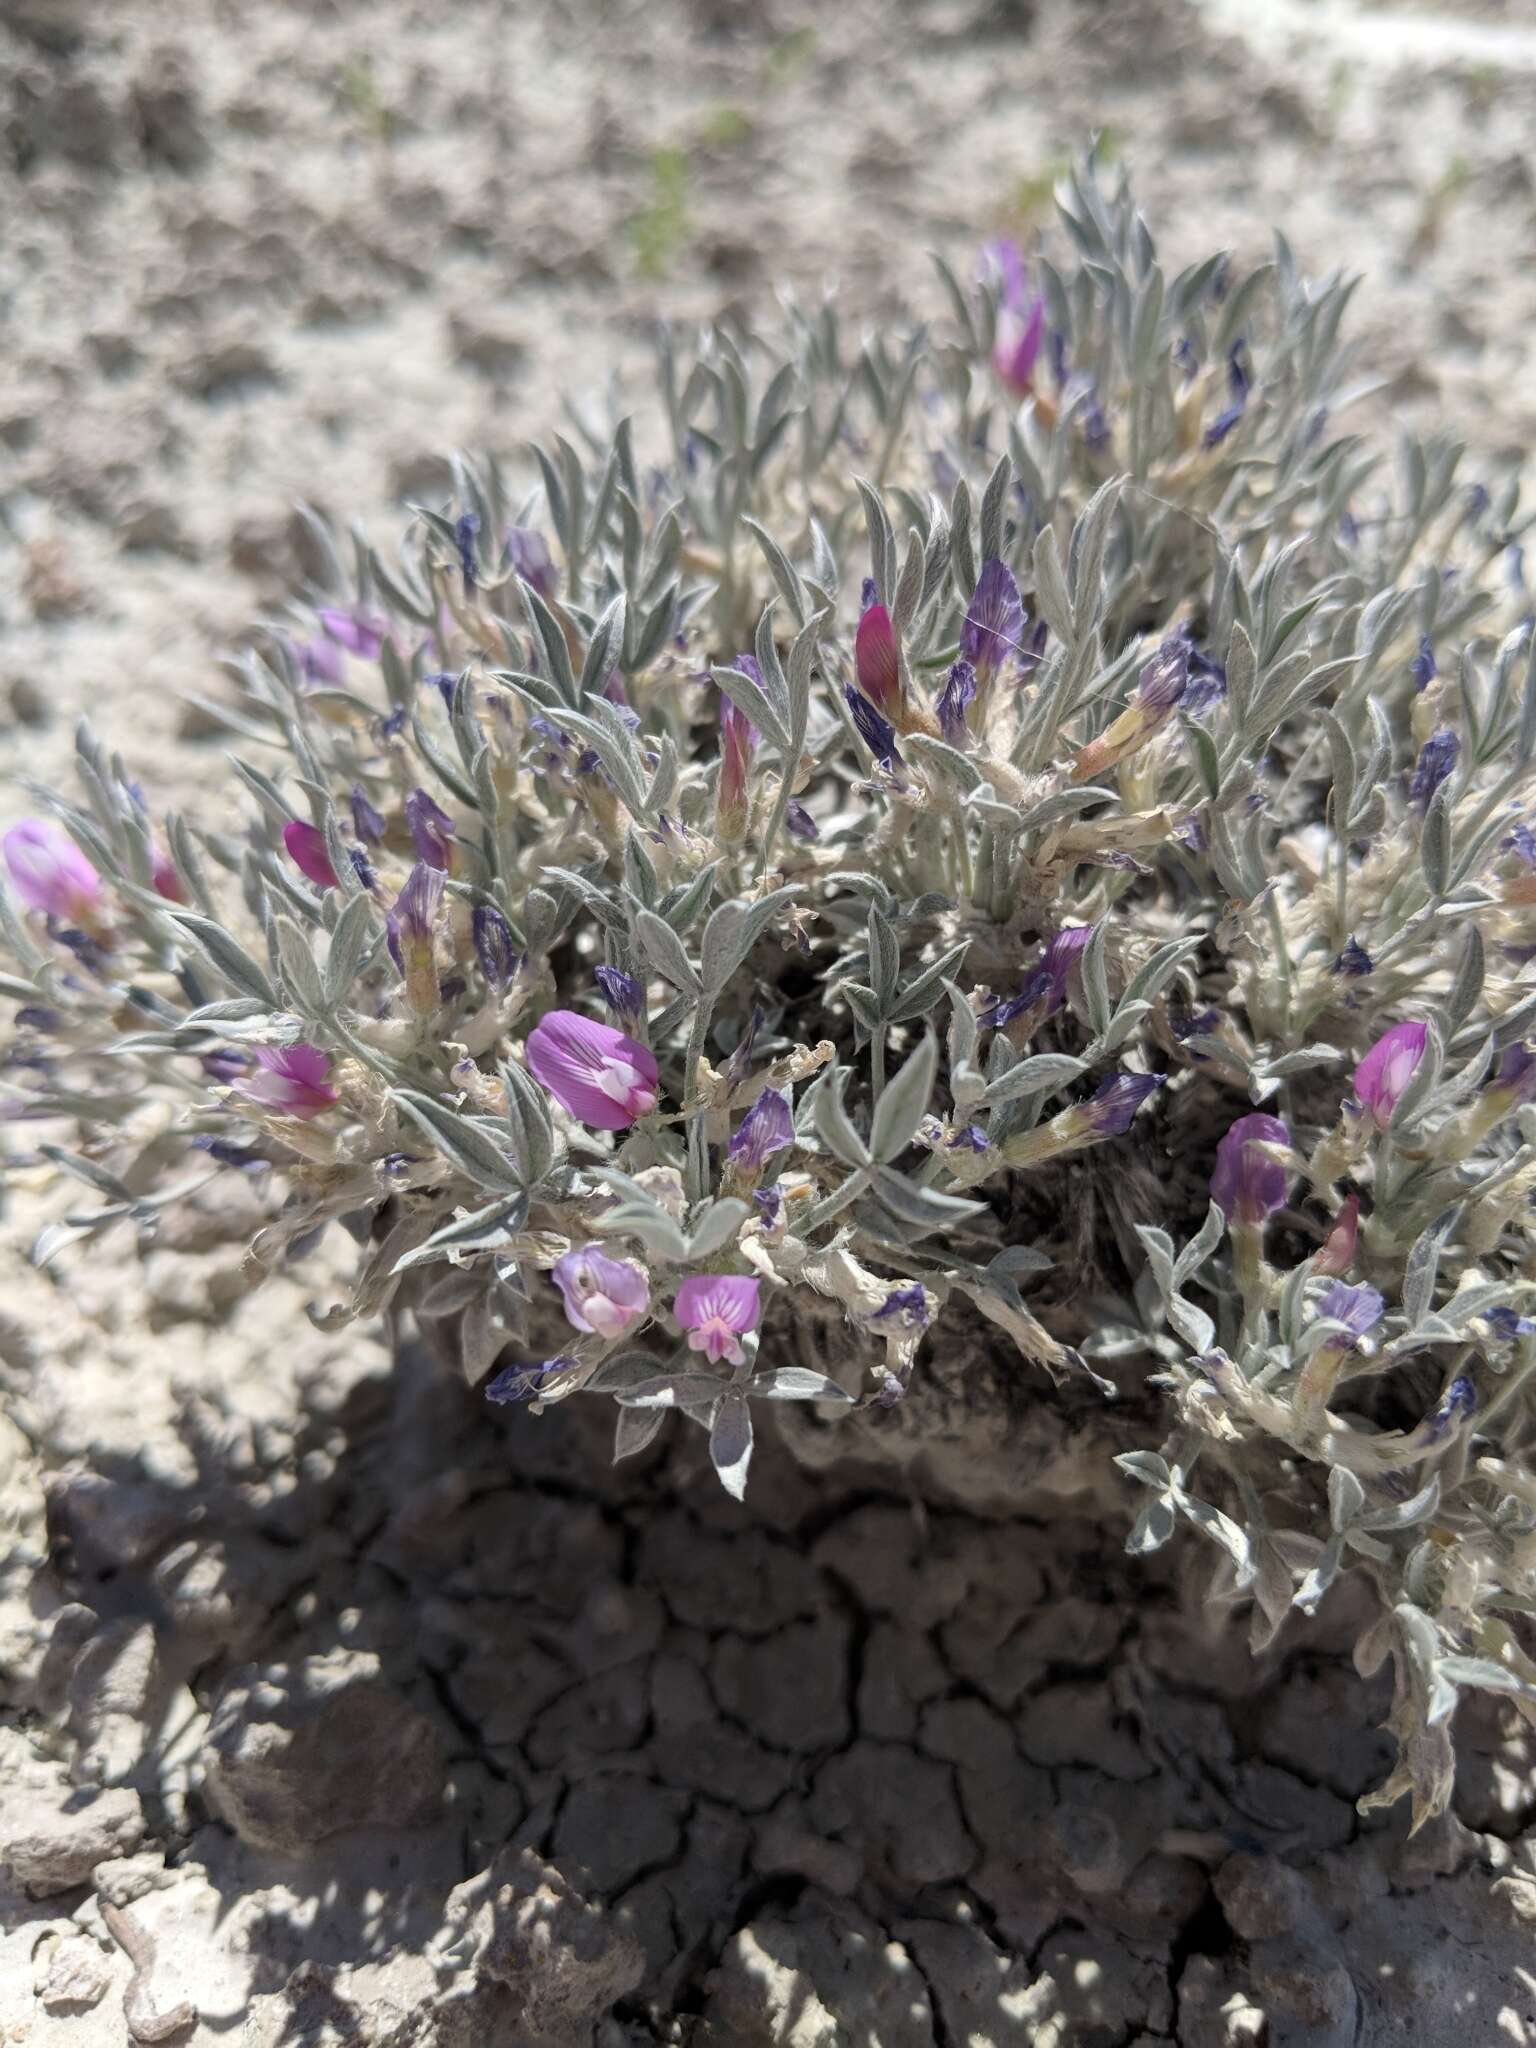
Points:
[(389, 1720)]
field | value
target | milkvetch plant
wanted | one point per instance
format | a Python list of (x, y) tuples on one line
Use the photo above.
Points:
[(782, 853)]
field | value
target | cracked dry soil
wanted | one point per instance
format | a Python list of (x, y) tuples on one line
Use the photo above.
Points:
[(337, 1710)]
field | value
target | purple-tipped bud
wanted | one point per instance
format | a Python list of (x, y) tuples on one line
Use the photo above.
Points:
[(291, 1080), (738, 743), (528, 554), (432, 829), (1046, 984), (603, 1297), (1248, 1185), (523, 1382), (770, 1207), (601, 1076), (993, 631), (1359, 1309), (1514, 1084), (874, 660), (495, 946), (766, 1128), (50, 873), (411, 930), (877, 733), (465, 534), (906, 1305), (1020, 332), (1389, 1066), (309, 853), (869, 594), (798, 821), (1435, 763), (355, 630), (1354, 961), (367, 823), (1456, 1405), (1239, 384), (717, 1309), (1507, 1325), (1165, 678), (1423, 668), (1115, 1102), (958, 693), (623, 994)]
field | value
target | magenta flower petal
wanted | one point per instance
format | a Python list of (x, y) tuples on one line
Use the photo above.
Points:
[(308, 852), (354, 630), (600, 1075), (167, 881), (1247, 1186), (1019, 336), (874, 658), (291, 1079), (1389, 1066), (602, 1296), (716, 1309), (49, 871)]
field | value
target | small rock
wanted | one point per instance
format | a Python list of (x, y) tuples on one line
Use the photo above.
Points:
[(1261, 1897), (482, 345), (167, 113), (76, 1978), (29, 705), (821, 1977), (228, 370), (56, 1833), (300, 1751)]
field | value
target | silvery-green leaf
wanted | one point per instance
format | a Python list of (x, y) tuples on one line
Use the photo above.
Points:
[(529, 1124), (633, 1429), (921, 992), (904, 1103), (1200, 1247), (1152, 1528), (603, 649), (1423, 1264), (783, 570), (653, 1226), (556, 653), (715, 1227), (666, 952), (1435, 842), (482, 1229), (1192, 1323), (1052, 599), (884, 956), (993, 499), (946, 762), (467, 1144), (1095, 979), (670, 1390), (1041, 1071), (730, 1442), (753, 701), (921, 1210), (831, 1121), (1483, 1673), (795, 1383), (732, 932), (301, 977), (230, 958), (1346, 1497)]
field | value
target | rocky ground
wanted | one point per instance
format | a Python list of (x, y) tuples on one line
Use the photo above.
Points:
[(340, 1710)]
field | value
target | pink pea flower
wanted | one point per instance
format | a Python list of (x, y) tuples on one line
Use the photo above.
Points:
[(1017, 349), (600, 1075), (1248, 1185), (1338, 1252), (50, 872), (602, 1296), (308, 852), (354, 630), (1389, 1066), (167, 881), (874, 657), (716, 1309), (291, 1079)]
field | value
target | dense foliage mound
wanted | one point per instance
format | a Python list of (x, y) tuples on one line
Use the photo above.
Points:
[(630, 915)]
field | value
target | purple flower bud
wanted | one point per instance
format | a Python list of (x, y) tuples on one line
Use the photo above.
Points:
[(1115, 1102), (291, 1080), (411, 932), (1002, 262), (972, 1139), (1165, 677), (465, 534), (1185, 358), (1456, 1404), (623, 994), (1248, 1185), (877, 733), (1514, 1084), (1435, 763), (1507, 1325), (1047, 983), (874, 660), (1359, 1309), (522, 1382), (599, 1075), (716, 1309), (994, 625), (321, 661), (50, 873), (528, 554), (602, 1296), (908, 1305), (1095, 426), (1422, 667), (1389, 1066), (1354, 961), (869, 594), (309, 853), (770, 1206), (367, 823), (1522, 840), (958, 692), (1239, 384), (766, 1128), (432, 829), (738, 743), (798, 821), (1017, 349), (495, 947), (225, 1065), (355, 630)]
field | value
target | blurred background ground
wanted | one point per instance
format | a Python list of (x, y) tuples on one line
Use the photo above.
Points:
[(261, 254)]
